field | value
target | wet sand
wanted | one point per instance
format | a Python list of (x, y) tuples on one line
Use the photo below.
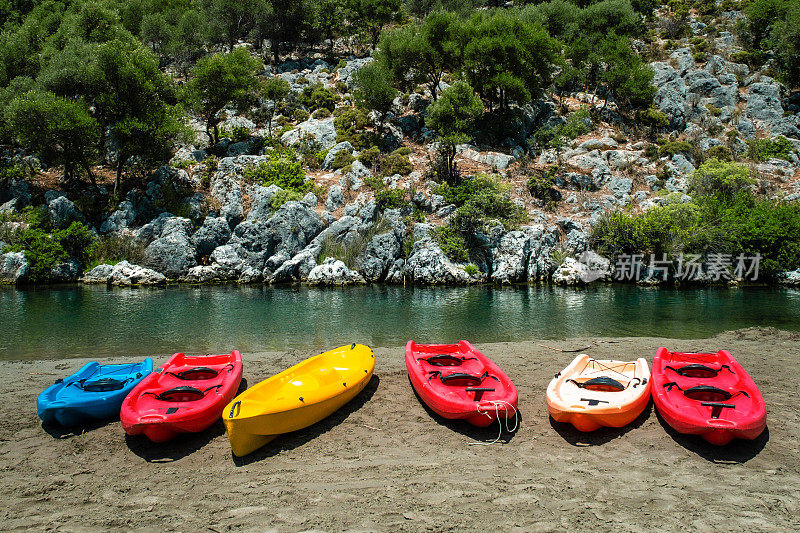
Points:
[(385, 463)]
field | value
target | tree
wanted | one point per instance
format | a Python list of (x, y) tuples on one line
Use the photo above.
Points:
[(372, 15), (329, 16), (626, 78), (274, 90), (373, 88), (59, 129), (136, 101), (219, 80), (786, 39), (283, 21), (231, 20), (453, 116), (507, 60), (423, 54)]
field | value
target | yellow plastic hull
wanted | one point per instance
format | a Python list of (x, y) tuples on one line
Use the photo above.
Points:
[(297, 397)]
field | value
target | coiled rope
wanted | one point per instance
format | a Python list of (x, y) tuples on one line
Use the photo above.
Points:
[(509, 429)]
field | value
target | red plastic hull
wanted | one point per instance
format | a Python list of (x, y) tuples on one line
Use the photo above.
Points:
[(450, 398), (152, 410), (743, 415)]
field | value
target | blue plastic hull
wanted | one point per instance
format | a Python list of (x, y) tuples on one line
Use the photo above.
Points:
[(68, 404)]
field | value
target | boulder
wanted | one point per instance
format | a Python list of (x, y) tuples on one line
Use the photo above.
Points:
[(65, 271), (172, 253), (791, 278), (261, 208), (124, 274), (63, 212), (347, 71), (333, 272), (428, 265), (322, 130), (335, 198), (378, 256), (152, 230), (543, 241), (510, 257), (310, 199), (13, 267), (289, 230), (345, 146), (620, 186), (684, 60), (764, 103), (227, 190), (214, 232), (120, 219), (588, 267)]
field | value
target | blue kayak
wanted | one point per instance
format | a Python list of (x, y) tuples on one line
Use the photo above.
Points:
[(95, 392)]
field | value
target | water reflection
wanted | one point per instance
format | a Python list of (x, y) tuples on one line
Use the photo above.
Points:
[(96, 321)]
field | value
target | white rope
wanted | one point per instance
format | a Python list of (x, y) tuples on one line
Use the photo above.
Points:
[(509, 429)]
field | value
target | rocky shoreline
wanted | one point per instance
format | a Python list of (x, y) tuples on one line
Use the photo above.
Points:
[(198, 222)]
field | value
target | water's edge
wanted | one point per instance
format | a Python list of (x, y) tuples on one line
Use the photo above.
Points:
[(95, 321)]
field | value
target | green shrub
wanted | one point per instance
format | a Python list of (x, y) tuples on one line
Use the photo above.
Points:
[(471, 269), (44, 248), (350, 123), (719, 152), (283, 121), (396, 163), (653, 118), (452, 243), (342, 159), (541, 185), (676, 147), (721, 178), (316, 97), (743, 225), (764, 149), (300, 115), (111, 249), (283, 196), (321, 113), (390, 198), (713, 110), (283, 169), (370, 156), (576, 124), (467, 189)]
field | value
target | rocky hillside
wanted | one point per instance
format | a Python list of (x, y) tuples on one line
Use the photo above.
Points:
[(360, 217)]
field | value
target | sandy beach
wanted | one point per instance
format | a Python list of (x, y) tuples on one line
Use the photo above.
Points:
[(385, 463)]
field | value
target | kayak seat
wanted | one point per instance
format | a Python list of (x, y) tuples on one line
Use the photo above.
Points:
[(198, 373), (706, 393), (184, 393), (445, 359), (698, 371), (460, 379), (600, 384), (103, 385)]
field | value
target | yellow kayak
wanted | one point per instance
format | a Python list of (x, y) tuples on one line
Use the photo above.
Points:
[(297, 397)]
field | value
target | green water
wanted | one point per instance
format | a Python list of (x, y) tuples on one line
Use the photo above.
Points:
[(97, 322)]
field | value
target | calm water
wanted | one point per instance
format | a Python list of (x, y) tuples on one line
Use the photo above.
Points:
[(96, 322)]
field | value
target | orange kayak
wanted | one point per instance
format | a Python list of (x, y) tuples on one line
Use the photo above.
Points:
[(593, 393)]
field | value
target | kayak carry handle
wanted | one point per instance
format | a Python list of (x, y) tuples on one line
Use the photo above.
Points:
[(236, 404), (717, 407), (479, 389)]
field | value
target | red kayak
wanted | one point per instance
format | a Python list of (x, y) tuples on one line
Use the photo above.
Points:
[(186, 395), (459, 382), (707, 394)]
